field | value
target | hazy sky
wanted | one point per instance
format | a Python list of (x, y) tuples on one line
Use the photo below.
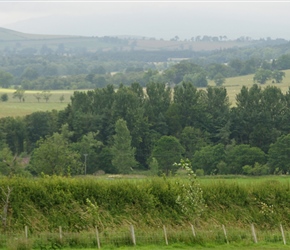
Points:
[(160, 19)]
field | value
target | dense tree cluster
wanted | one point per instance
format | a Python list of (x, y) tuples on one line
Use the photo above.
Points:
[(99, 69), (129, 128)]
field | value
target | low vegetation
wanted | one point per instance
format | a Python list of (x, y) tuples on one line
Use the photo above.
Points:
[(65, 156), (78, 205)]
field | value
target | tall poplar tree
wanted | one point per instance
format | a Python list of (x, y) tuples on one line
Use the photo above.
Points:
[(123, 152)]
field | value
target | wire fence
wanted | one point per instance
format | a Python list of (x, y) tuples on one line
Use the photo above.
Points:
[(132, 235)]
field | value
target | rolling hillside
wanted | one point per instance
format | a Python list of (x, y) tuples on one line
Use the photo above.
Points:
[(11, 39), (11, 35)]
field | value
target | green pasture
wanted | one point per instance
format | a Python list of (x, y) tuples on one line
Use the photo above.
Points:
[(16, 108), (243, 180)]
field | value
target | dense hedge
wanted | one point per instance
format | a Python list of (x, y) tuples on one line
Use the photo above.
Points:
[(43, 204)]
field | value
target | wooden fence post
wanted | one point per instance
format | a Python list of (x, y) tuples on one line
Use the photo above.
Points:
[(26, 232), (193, 231), (98, 239), (254, 233), (133, 234), (165, 235), (283, 235), (225, 233), (60, 232)]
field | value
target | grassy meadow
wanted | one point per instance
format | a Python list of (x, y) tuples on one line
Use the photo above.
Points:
[(16, 108)]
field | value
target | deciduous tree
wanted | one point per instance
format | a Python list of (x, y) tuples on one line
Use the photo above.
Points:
[(54, 156), (19, 94), (279, 155), (167, 151), (122, 151), (262, 75)]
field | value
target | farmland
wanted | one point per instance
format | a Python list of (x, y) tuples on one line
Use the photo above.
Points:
[(15, 108), (10, 38)]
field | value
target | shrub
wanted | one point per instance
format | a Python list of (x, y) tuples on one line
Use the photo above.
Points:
[(4, 97)]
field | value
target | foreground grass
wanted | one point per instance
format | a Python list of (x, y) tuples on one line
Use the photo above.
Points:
[(232, 202), (183, 246)]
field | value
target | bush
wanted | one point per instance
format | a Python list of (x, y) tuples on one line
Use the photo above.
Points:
[(4, 97), (258, 169), (199, 172)]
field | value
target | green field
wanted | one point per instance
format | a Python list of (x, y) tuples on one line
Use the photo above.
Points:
[(15, 108)]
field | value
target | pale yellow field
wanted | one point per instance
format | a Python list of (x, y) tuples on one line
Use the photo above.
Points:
[(234, 85)]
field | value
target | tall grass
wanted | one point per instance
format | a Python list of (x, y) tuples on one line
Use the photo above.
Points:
[(78, 205)]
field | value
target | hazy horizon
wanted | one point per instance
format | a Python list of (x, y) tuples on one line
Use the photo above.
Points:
[(159, 19)]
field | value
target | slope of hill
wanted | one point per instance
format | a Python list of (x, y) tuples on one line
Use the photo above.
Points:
[(8, 38), (11, 35)]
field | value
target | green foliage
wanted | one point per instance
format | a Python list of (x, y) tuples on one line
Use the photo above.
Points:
[(283, 62), (123, 153), (38, 125), (19, 244), (13, 134), (193, 139), (38, 96), (61, 98), (199, 80), (154, 167), (89, 145), (208, 158), (190, 71), (191, 197), (29, 74), (278, 76), (219, 79), (54, 157), (19, 94), (167, 151), (5, 79), (188, 110), (79, 204), (6, 161), (241, 155), (279, 154), (262, 75), (46, 95), (216, 119), (258, 169), (4, 97)]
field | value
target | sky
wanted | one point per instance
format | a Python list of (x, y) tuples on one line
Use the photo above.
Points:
[(159, 19)]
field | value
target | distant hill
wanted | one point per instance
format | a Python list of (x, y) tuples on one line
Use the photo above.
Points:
[(23, 43), (11, 39), (11, 35)]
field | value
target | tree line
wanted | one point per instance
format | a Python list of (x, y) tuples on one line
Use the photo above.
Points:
[(40, 74), (129, 128)]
